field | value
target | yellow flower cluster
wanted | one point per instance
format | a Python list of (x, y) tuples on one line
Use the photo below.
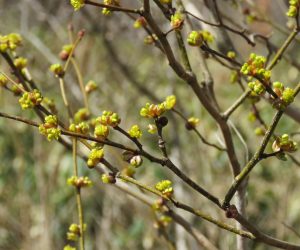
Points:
[(156, 110), (10, 42)]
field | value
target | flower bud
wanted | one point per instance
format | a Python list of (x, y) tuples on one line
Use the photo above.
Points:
[(195, 39), (136, 161)]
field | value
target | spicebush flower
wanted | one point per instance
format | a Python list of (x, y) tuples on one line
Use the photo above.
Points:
[(177, 20), (288, 96), (57, 69), (293, 8), (30, 99), (108, 118), (156, 110), (77, 4), (101, 131), (135, 132), (255, 66), (165, 187), (284, 143), (49, 128), (10, 42), (195, 38), (79, 182), (81, 128), (95, 157)]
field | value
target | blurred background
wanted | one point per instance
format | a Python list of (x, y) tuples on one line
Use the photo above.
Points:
[(37, 206)]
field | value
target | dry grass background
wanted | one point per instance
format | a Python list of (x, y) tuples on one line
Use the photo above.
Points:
[(36, 205)]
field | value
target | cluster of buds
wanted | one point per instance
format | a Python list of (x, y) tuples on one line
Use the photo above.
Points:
[(90, 87), (152, 110), (95, 157), (81, 128), (257, 87), (66, 51), (135, 132), (293, 8), (108, 178), (101, 131), (286, 95), (195, 38), (284, 143), (79, 182), (50, 128), (10, 42), (177, 20), (57, 69), (165, 187), (255, 66), (31, 99), (81, 115), (107, 11), (156, 110), (140, 22), (3, 80), (77, 4), (109, 118), (74, 232), (20, 62), (192, 123)]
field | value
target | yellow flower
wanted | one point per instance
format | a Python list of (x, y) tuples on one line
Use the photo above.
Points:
[(77, 4), (135, 132)]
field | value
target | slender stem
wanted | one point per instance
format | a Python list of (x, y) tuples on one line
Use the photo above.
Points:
[(161, 141), (282, 49), (187, 208), (81, 85), (74, 151), (80, 217), (237, 103), (78, 39), (134, 140), (78, 196), (13, 82), (222, 25), (177, 112), (113, 7), (183, 52), (64, 97), (254, 160)]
